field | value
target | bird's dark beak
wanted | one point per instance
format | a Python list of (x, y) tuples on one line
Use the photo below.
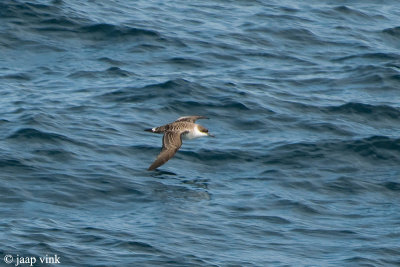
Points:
[(210, 135)]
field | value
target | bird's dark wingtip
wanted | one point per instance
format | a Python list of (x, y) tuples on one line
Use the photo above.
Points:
[(152, 167)]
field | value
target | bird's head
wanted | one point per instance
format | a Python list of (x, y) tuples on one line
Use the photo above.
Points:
[(204, 131)]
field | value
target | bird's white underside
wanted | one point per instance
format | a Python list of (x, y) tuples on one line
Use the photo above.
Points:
[(195, 133)]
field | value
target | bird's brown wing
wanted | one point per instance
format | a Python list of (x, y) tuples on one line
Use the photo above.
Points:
[(172, 141), (191, 118)]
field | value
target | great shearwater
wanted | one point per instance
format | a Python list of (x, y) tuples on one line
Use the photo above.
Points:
[(174, 132)]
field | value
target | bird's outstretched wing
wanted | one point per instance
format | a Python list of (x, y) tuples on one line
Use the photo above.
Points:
[(172, 141), (191, 118)]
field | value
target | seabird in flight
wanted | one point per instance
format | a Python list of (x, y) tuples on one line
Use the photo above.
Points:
[(174, 132)]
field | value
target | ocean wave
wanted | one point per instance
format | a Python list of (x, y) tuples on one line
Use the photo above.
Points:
[(392, 186), (297, 205), (220, 56), (33, 134), (25, 10), (53, 19), (373, 149), (394, 31), (55, 154), (371, 56), (326, 232), (324, 127), (180, 96), (59, 22), (263, 218), (299, 35), (111, 72), (345, 185), (376, 112), (186, 62), (351, 12), (170, 89), (225, 105), (138, 94), (111, 61), (141, 247), (368, 111), (108, 31), (17, 76), (13, 163)]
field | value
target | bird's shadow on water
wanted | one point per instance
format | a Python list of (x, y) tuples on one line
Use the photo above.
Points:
[(161, 174), (197, 185)]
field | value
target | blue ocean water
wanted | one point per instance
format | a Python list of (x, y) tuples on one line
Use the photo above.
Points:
[(303, 97)]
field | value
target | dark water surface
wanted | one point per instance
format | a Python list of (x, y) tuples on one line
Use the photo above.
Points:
[(303, 98)]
